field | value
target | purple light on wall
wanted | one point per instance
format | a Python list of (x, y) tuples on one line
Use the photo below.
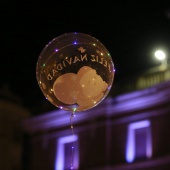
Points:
[(60, 153), (130, 145), (56, 50)]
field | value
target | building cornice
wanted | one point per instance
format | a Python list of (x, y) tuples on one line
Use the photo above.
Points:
[(110, 107)]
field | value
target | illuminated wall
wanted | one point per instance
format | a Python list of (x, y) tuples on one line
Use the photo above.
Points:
[(130, 131)]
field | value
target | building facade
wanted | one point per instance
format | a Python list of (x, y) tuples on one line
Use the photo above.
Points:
[(127, 132), (12, 113)]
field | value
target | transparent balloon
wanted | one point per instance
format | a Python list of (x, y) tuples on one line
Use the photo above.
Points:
[(75, 71)]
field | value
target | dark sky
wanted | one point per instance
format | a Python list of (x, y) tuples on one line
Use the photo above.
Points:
[(131, 30)]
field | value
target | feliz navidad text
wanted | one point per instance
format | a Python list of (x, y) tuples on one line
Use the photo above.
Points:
[(72, 60)]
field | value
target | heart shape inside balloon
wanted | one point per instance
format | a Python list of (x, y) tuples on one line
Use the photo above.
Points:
[(85, 88)]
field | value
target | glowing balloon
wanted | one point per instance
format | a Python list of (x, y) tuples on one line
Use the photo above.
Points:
[(75, 71)]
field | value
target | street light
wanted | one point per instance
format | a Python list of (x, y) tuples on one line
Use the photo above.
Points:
[(161, 56)]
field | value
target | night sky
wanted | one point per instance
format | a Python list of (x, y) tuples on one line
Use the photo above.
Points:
[(131, 31)]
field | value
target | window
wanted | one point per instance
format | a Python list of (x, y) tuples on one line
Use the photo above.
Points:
[(139, 141), (65, 156)]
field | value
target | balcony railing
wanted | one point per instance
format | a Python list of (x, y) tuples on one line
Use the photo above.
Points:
[(144, 80)]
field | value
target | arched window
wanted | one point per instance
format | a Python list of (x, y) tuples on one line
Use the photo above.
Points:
[(139, 141), (67, 153)]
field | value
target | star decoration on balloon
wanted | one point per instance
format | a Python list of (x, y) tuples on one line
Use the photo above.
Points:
[(81, 49)]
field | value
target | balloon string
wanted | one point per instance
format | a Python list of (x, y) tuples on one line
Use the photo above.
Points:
[(72, 147)]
